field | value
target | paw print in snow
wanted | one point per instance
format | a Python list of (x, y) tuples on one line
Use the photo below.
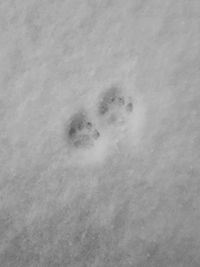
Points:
[(81, 131), (114, 107)]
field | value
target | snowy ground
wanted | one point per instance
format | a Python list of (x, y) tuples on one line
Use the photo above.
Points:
[(134, 199)]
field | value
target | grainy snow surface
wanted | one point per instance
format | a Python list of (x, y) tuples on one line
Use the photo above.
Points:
[(133, 198)]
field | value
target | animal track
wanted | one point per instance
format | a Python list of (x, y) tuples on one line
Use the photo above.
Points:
[(114, 106), (81, 131), (91, 141)]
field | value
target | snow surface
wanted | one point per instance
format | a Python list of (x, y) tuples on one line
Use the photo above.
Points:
[(133, 199)]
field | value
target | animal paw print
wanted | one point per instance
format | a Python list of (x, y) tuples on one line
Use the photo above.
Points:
[(114, 107), (81, 132)]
